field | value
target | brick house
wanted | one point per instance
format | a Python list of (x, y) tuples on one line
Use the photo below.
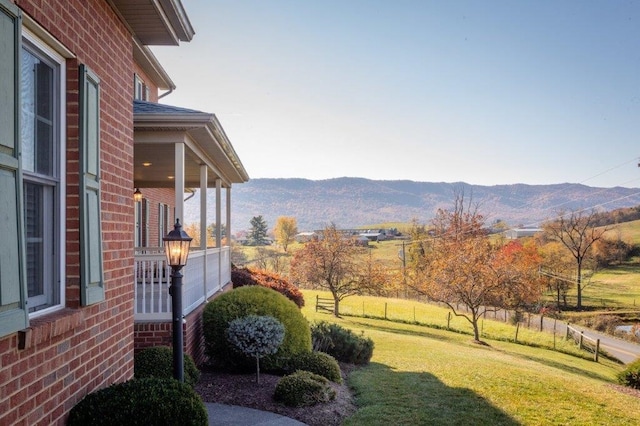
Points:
[(81, 283)]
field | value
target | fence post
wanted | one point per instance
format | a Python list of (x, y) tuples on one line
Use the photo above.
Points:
[(581, 337), (363, 308), (385, 310), (566, 337), (541, 322), (597, 350), (517, 328), (555, 320), (317, 299), (448, 319)]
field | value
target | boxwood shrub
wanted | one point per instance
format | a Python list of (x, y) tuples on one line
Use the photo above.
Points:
[(157, 361), (303, 388), (319, 363), (253, 300), (341, 343), (150, 401)]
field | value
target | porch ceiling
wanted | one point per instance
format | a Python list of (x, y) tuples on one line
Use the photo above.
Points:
[(158, 127)]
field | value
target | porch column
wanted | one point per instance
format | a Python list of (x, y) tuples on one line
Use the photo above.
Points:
[(204, 178), (203, 206), (228, 199), (218, 212), (178, 179)]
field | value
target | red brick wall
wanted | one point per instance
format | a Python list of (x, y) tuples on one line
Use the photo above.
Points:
[(153, 88), (46, 369)]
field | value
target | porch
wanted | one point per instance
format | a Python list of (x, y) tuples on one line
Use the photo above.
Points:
[(206, 273)]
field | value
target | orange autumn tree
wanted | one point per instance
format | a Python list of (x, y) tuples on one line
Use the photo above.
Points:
[(468, 272), (336, 264)]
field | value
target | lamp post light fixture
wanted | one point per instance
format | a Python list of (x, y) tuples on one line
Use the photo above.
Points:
[(137, 195), (176, 248)]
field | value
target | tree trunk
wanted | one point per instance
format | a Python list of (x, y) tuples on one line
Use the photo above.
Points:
[(579, 306), (336, 307), (476, 332), (257, 369)]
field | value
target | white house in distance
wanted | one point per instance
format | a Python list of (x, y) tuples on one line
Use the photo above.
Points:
[(515, 233)]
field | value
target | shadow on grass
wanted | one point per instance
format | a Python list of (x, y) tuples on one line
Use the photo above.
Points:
[(389, 397), (560, 366)]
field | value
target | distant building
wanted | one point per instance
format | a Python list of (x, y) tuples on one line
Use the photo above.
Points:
[(304, 237), (516, 233)]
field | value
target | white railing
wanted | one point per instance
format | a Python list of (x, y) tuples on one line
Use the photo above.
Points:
[(206, 272)]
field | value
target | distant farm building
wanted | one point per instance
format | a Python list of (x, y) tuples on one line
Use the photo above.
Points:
[(304, 237), (516, 233)]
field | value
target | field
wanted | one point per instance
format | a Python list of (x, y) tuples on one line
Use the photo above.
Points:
[(425, 375)]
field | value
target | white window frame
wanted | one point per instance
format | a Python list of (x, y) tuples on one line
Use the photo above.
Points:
[(42, 48)]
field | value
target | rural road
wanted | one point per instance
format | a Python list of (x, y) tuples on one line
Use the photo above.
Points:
[(623, 350)]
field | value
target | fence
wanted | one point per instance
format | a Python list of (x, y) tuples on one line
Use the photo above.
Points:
[(584, 342)]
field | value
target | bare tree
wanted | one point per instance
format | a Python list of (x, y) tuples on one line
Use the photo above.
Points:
[(334, 263), (577, 232)]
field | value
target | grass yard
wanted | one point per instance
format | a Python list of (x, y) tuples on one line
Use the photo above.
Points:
[(423, 375)]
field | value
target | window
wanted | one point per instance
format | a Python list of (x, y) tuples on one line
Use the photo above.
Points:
[(164, 222), (41, 139), (141, 91), (141, 238)]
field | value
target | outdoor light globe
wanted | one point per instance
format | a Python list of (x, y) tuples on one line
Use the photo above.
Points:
[(176, 246)]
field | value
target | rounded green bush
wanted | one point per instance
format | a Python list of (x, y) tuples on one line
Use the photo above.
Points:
[(630, 376), (150, 401), (319, 363), (341, 343), (157, 361), (253, 300), (303, 388)]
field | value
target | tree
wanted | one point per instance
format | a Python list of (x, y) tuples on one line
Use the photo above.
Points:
[(463, 267), (258, 232), (256, 336), (285, 230), (556, 268), (576, 231), (333, 263)]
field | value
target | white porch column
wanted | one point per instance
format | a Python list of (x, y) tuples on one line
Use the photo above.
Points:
[(218, 212), (228, 199), (178, 177), (204, 175), (203, 206)]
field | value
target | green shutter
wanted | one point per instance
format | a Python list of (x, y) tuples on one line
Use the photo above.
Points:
[(91, 266), (13, 295)]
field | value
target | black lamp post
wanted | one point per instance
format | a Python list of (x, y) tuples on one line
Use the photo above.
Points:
[(176, 248)]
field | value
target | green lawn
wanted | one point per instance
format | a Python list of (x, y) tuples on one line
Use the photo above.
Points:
[(426, 375)]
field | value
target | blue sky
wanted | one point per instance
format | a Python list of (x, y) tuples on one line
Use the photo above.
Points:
[(485, 92)]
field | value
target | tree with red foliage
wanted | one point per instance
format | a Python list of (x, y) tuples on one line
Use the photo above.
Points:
[(248, 276)]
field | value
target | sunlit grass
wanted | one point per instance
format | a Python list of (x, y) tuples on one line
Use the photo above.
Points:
[(424, 375)]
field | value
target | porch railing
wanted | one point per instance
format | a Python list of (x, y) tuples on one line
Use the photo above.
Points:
[(206, 272)]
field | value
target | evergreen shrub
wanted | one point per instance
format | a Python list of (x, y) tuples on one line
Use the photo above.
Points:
[(157, 361), (150, 401), (319, 363), (630, 376), (253, 300), (341, 343), (303, 388)]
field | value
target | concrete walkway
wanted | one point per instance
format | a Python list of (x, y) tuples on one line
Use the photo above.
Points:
[(233, 415)]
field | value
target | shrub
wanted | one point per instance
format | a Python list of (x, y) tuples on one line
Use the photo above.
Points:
[(341, 343), (630, 376), (319, 363), (253, 300), (150, 401), (256, 336), (245, 276), (158, 362), (303, 388)]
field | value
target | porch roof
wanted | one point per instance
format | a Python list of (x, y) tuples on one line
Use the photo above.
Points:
[(157, 127), (155, 22)]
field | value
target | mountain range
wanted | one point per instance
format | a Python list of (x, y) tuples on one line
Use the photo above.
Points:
[(352, 202)]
